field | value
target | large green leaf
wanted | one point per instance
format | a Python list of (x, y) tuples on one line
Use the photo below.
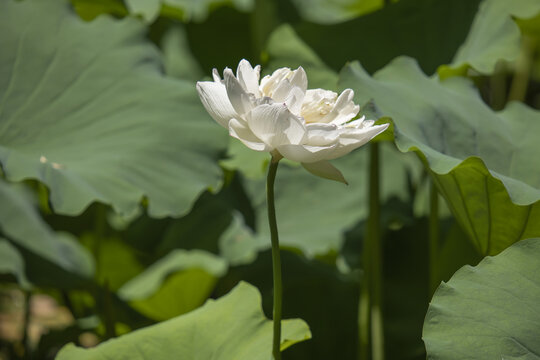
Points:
[(85, 109), (174, 285), (494, 35), (481, 160), (233, 327), (491, 311), (21, 223)]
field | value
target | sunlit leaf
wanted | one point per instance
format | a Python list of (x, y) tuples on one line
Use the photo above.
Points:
[(85, 109), (232, 327), (490, 311), (481, 160), (175, 284)]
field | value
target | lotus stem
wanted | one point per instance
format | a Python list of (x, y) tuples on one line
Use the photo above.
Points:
[(363, 315), (371, 319), (433, 239), (375, 254), (276, 260), (520, 82), (264, 20), (109, 312), (499, 86)]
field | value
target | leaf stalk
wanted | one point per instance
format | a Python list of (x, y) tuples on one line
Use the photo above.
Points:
[(276, 259), (434, 231), (370, 312)]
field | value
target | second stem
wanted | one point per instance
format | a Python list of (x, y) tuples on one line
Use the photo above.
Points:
[(371, 321), (276, 260)]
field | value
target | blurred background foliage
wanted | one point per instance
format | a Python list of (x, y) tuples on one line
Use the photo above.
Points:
[(123, 204)]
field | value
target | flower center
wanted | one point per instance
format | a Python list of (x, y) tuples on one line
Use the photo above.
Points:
[(317, 105)]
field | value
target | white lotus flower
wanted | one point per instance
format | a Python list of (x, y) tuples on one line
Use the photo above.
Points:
[(281, 116)]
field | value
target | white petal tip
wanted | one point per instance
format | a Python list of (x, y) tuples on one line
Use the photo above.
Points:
[(215, 75)]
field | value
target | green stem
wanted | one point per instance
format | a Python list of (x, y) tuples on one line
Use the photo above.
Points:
[(108, 312), (371, 319), (520, 82), (68, 303), (100, 224), (433, 240), (498, 86), (276, 261), (373, 238), (363, 314), (264, 20)]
